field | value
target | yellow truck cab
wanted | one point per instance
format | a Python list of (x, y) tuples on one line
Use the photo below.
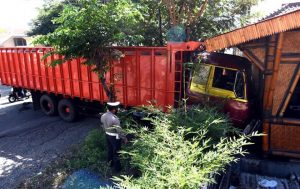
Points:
[(224, 80)]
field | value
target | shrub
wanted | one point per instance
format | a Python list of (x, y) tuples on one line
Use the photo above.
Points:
[(92, 153), (184, 150)]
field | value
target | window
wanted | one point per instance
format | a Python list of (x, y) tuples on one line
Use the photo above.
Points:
[(20, 42), (201, 75), (200, 78), (224, 79)]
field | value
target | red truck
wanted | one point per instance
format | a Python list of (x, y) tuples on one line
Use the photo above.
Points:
[(145, 74)]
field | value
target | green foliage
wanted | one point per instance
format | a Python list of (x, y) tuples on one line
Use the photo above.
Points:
[(91, 25), (151, 25), (183, 150), (203, 121), (88, 29), (218, 17), (92, 153), (221, 16), (42, 24)]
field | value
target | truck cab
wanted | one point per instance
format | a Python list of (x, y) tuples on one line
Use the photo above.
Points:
[(225, 81)]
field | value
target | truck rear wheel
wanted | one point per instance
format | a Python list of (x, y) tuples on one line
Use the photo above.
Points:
[(48, 105), (67, 110)]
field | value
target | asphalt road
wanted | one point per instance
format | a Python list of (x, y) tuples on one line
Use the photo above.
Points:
[(29, 140)]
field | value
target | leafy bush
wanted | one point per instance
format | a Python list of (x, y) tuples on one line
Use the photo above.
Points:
[(203, 120), (184, 150), (92, 153)]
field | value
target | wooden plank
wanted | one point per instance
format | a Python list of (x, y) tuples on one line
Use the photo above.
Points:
[(271, 51), (275, 71), (266, 136), (254, 59)]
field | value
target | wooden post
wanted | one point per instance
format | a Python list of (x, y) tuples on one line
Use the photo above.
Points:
[(275, 72)]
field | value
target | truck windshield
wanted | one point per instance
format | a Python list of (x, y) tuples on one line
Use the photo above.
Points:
[(224, 79), (201, 74)]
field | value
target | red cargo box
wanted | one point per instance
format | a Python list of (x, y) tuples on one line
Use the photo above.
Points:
[(143, 75)]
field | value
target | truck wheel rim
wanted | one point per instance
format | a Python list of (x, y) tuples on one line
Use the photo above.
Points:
[(47, 105)]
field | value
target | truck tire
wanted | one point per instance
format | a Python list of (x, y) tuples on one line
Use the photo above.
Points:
[(48, 105), (67, 110)]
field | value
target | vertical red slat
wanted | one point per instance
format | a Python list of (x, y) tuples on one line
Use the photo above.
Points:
[(89, 71), (152, 75), (46, 71), (169, 58), (2, 71), (8, 67), (33, 74), (151, 79), (62, 76), (14, 62), (70, 78), (7, 74), (136, 74), (3, 66), (38, 57), (26, 68), (137, 86), (181, 72), (53, 76), (79, 77), (123, 82), (20, 67)]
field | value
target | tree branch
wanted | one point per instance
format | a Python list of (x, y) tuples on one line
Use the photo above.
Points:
[(199, 13)]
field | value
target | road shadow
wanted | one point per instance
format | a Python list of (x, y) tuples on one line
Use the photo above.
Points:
[(31, 141)]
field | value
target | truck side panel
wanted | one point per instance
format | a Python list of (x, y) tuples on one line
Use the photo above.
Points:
[(144, 74)]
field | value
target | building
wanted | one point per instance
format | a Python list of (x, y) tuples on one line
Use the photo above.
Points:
[(14, 40)]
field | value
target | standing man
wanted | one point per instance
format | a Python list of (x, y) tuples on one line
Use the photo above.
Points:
[(114, 134)]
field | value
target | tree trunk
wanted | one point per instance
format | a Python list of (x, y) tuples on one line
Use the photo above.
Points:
[(187, 33), (106, 89), (160, 28)]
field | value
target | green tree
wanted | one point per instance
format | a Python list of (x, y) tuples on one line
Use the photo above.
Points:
[(43, 23), (88, 29), (203, 18), (217, 16)]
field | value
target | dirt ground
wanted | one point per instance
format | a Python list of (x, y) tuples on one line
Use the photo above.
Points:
[(30, 141)]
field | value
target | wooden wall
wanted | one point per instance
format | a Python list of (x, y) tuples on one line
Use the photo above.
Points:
[(277, 57)]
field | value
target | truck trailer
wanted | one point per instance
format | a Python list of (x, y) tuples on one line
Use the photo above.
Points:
[(145, 75)]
